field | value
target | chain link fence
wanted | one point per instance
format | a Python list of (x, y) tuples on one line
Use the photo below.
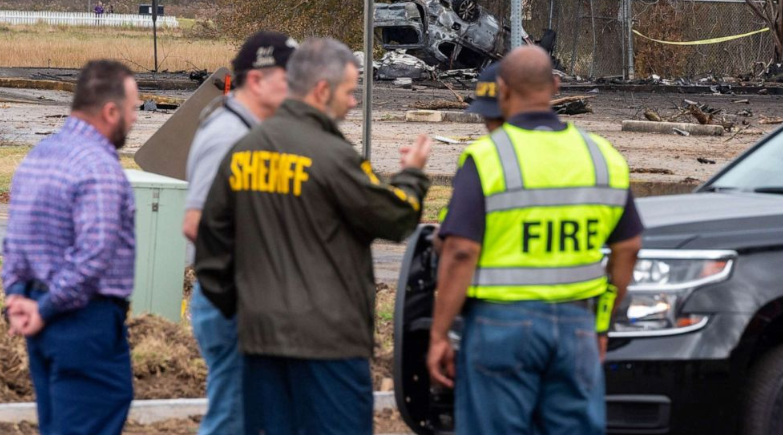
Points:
[(593, 36), (684, 20)]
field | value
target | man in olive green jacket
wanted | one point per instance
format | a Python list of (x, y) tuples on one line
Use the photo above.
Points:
[(284, 242)]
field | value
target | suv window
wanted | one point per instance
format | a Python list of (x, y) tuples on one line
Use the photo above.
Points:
[(762, 169)]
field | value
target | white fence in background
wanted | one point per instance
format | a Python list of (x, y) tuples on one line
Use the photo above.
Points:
[(84, 19)]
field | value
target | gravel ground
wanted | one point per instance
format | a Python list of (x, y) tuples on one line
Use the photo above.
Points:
[(652, 157)]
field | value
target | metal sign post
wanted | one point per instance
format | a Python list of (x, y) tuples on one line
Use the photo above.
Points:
[(369, 16), (516, 23), (629, 22), (155, 30)]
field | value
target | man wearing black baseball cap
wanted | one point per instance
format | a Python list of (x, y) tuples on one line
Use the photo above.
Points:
[(486, 101), (261, 86)]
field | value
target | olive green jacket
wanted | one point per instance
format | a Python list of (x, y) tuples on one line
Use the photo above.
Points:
[(285, 235)]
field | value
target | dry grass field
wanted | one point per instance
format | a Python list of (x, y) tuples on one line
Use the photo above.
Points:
[(71, 47)]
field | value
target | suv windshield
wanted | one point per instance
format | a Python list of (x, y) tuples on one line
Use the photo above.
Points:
[(762, 170)]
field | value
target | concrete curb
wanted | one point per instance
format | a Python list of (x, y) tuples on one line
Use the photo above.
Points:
[(442, 116), (151, 411)]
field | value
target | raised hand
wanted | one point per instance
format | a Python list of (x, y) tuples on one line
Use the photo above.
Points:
[(416, 155)]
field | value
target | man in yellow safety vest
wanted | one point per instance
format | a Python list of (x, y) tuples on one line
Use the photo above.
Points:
[(533, 205)]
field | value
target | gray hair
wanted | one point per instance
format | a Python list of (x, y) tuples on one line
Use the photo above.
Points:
[(316, 60)]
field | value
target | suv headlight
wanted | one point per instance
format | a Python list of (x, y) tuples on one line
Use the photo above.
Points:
[(662, 280)]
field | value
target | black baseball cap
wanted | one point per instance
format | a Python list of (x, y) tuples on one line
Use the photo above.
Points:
[(263, 50), (486, 101)]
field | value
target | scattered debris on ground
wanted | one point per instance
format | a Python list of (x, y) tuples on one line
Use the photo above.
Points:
[(670, 127), (652, 171), (771, 120), (572, 105), (702, 112), (439, 104), (396, 64), (652, 115), (454, 141), (704, 161)]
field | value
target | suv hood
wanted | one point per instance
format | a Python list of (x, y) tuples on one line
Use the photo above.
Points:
[(735, 220)]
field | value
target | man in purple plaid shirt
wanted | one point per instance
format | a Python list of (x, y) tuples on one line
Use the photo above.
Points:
[(69, 259)]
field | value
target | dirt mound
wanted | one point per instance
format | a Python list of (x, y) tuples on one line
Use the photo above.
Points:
[(166, 359), (23, 428), (168, 427), (166, 363), (15, 385)]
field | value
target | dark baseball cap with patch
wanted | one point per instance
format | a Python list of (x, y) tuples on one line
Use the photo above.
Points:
[(486, 100), (264, 50)]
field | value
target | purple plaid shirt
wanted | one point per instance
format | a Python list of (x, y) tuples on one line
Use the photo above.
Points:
[(71, 221)]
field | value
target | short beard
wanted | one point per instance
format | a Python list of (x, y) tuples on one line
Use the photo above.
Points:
[(119, 135)]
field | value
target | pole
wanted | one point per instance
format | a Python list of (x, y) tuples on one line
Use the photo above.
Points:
[(516, 23), (551, 12), (595, 43), (155, 30), (623, 39), (369, 17), (629, 18)]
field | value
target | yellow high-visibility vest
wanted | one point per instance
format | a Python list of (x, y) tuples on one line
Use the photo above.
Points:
[(552, 200)]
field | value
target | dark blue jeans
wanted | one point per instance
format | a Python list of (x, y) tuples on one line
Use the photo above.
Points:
[(81, 370), (529, 368), (287, 396), (217, 340)]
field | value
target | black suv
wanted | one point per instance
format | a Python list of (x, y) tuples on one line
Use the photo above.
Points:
[(697, 346)]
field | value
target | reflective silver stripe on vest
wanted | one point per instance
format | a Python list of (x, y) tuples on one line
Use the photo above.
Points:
[(557, 197), (526, 276), (599, 162), (512, 171)]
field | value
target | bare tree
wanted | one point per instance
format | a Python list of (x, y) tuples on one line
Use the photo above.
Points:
[(771, 11)]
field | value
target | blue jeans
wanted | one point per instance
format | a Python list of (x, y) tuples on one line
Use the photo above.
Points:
[(529, 368), (81, 370), (292, 396), (217, 340)]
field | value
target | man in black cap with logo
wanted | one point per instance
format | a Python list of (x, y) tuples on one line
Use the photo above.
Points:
[(261, 86), (486, 101)]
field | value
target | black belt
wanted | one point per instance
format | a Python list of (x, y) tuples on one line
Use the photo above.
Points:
[(40, 286), (588, 304), (120, 302)]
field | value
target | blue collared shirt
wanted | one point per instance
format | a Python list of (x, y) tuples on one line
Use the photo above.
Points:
[(71, 221)]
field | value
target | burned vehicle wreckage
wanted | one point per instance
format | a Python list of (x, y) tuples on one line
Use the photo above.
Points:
[(447, 34)]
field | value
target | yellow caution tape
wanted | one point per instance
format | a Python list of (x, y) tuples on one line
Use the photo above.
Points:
[(705, 41)]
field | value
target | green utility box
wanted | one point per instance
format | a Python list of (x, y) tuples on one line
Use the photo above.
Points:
[(160, 245)]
